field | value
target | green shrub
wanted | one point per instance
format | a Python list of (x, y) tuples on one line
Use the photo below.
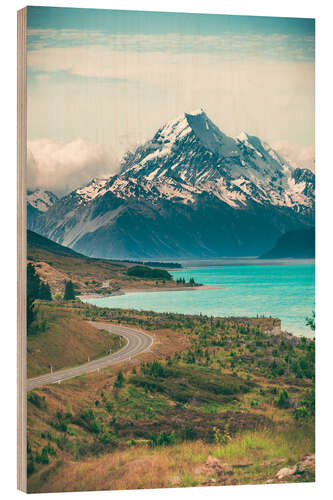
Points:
[(30, 465), (301, 413), (163, 439), (109, 439), (43, 458), (221, 437), (120, 380), (149, 273), (283, 400), (189, 433), (37, 400)]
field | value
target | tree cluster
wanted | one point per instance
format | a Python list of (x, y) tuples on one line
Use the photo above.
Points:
[(36, 289), (69, 291)]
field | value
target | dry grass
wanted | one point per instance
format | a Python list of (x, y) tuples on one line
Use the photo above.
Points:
[(67, 341), (87, 274), (253, 454), (249, 458)]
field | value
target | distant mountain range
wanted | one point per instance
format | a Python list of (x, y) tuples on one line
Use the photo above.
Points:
[(189, 192), (294, 244), (38, 201)]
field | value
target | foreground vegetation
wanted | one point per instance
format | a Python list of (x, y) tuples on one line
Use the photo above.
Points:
[(215, 401), (252, 457), (60, 339)]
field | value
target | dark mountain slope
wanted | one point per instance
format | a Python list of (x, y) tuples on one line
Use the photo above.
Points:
[(293, 244), (39, 242)]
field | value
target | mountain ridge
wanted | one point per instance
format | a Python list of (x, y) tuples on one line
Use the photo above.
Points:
[(299, 244), (178, 192)]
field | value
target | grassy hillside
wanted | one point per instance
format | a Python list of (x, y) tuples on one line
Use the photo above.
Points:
[(63, 339), (215, 401), (57, 264), (35, 240)]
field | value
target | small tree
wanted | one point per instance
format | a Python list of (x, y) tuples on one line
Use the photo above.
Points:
[(45, 291), (311, 321), (33, 282), (31, 313), (69, 291), (44, 458), (283, 401), (120, 380), (36, 289)]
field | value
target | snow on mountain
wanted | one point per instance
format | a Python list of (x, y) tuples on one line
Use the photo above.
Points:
[(190, 178), (41, 200), (189, 156), (92, 189)]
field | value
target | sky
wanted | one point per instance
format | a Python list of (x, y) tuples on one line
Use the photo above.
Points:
[(102, 81)]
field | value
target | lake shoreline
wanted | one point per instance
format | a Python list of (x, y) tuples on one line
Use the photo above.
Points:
[(127, 291), (285, 292)]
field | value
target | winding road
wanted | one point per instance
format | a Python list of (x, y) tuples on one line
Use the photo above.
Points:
[(137, 342)]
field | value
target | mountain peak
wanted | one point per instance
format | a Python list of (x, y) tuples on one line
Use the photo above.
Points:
[(181, 126), (189, 175), (195, 112)]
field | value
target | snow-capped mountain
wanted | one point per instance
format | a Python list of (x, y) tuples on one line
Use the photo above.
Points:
[(190, 155), (38, 202), (41, 200), (191, 191)]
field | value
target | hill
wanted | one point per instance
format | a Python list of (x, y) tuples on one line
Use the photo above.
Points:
[(56, 264), (230, 388), (63, 339), (36, 241), (293, 244)]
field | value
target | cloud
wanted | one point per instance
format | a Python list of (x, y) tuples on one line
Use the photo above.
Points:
[(62, 166), (160, 56), (297, 155), (228, 44), (117, 89), (104, 94)]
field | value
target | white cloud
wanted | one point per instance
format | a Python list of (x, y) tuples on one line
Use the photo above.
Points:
[(118, 89), (140, 91), (109, 62), (60, 167), (229, 44), (297, 155)]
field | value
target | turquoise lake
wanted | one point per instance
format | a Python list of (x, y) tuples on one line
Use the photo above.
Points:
[(285, 291)]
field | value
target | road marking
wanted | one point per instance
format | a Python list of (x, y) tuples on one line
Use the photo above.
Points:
[(137, 343)]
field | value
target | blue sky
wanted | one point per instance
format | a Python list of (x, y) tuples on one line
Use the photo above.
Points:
[(120, 21), (293, 33), (111, 78)]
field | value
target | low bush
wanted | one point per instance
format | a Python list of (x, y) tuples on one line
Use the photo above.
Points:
[(37, 400), (283, 400), (162, 439)]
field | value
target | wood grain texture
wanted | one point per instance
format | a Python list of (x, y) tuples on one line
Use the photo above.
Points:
[(21, 247)]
